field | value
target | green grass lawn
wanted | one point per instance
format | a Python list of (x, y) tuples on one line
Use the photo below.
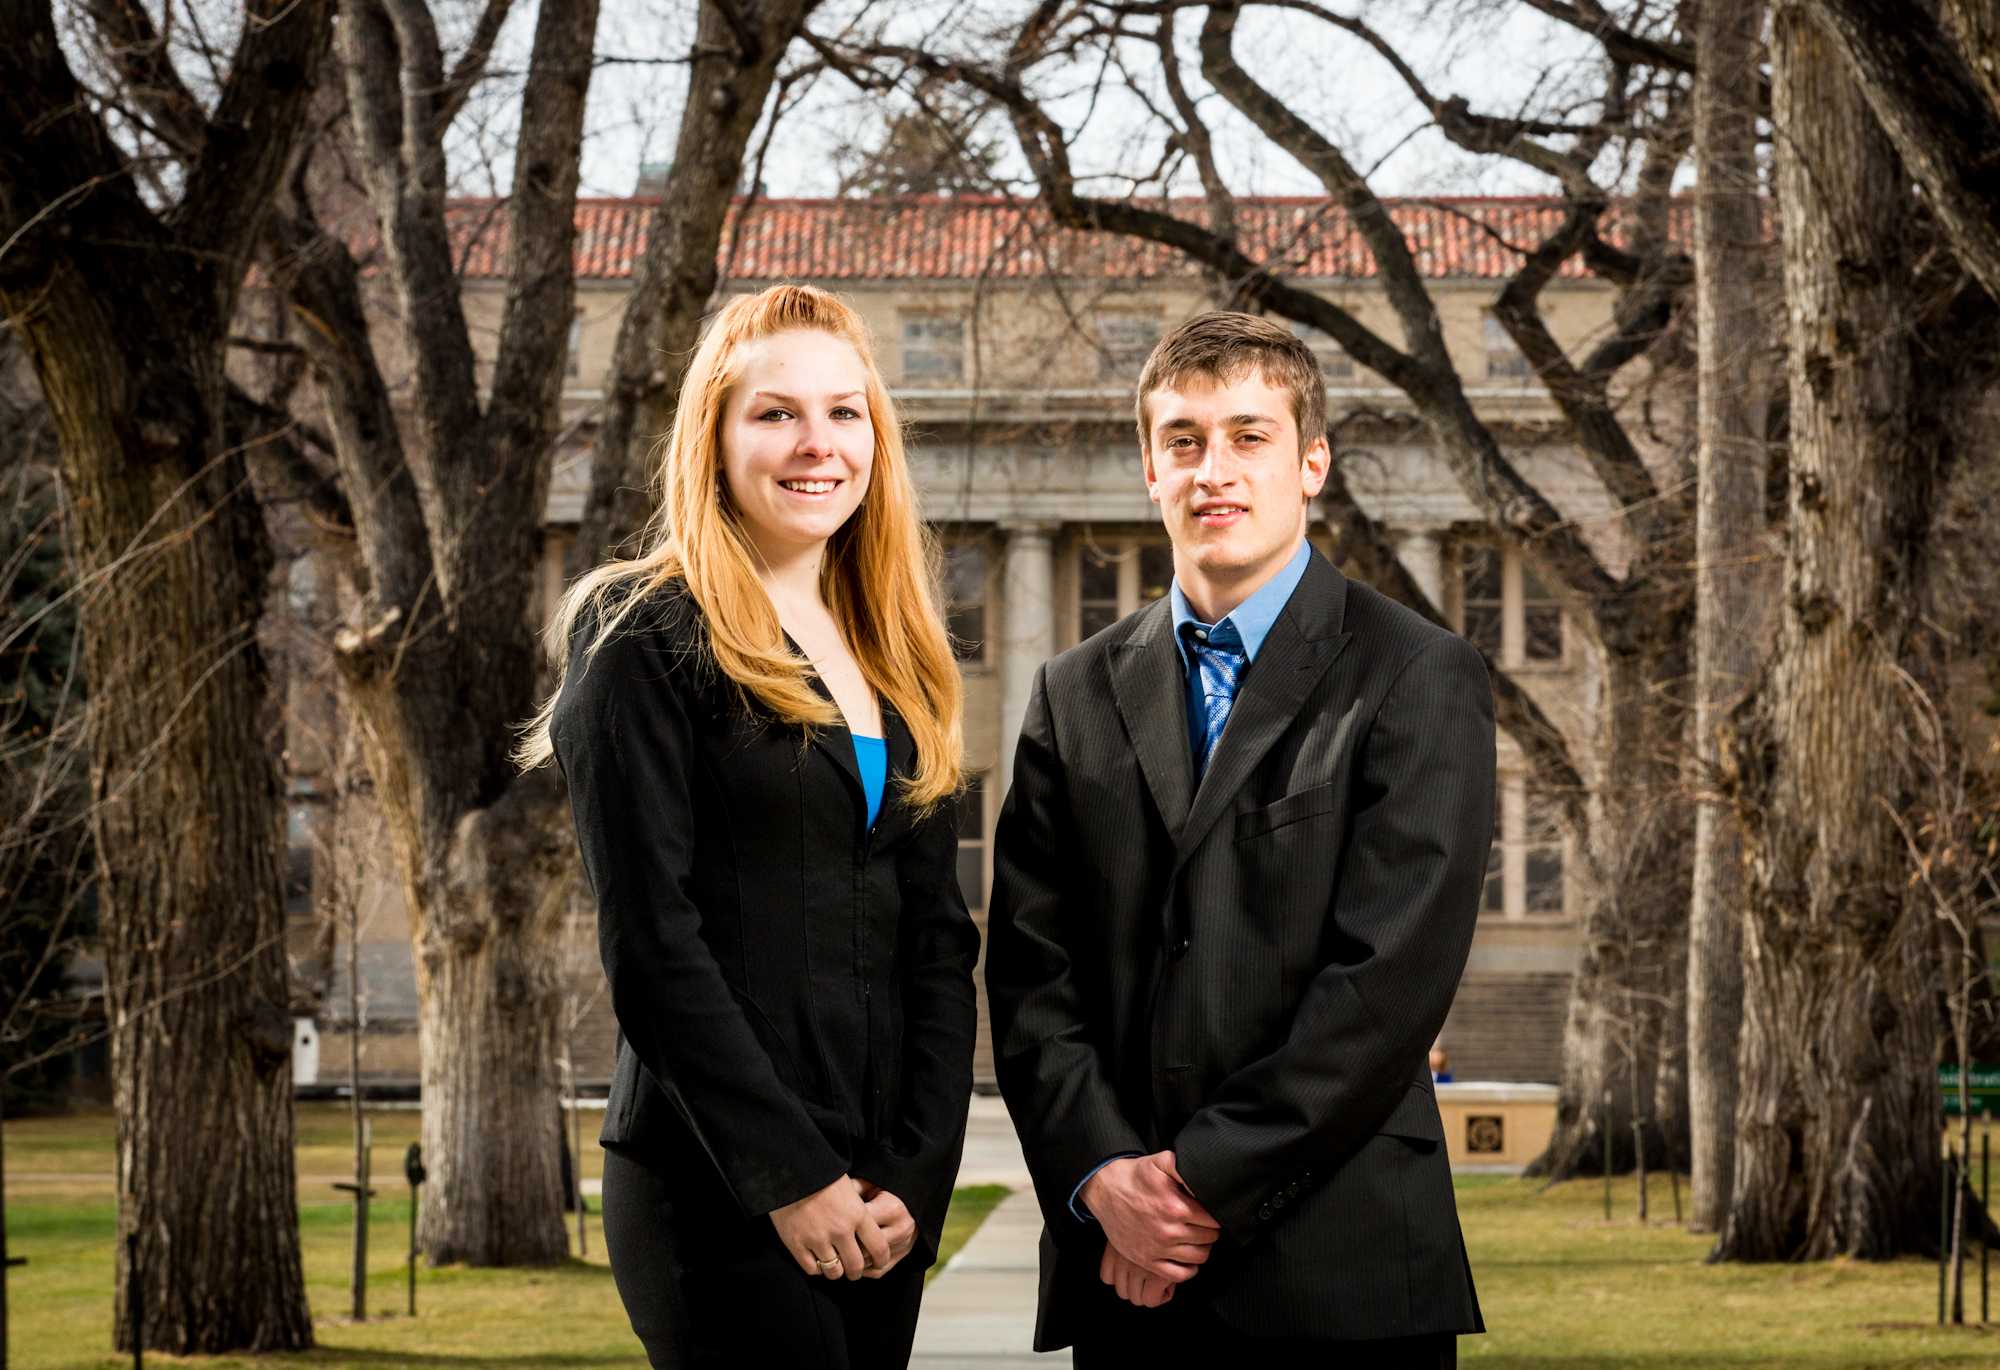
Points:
[(1560, 1286)]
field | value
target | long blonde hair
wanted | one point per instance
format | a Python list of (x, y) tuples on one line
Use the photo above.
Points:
[(879, 574)]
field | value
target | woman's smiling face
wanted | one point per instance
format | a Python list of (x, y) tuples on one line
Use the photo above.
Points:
[(797, 441)]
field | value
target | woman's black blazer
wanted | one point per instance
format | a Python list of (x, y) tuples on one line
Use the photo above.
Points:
[(793, 991)]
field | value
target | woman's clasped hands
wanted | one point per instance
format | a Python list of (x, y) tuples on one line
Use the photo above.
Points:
[(850, 1230)]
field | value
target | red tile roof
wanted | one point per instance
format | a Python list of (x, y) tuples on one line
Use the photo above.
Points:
[(977, 237)]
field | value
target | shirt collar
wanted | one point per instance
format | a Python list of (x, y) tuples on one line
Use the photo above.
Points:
[(1254, 616)]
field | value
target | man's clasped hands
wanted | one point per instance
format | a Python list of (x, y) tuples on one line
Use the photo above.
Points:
[(1157, 1234)]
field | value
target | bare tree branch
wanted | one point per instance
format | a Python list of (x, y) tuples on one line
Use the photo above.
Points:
[(473, 63)]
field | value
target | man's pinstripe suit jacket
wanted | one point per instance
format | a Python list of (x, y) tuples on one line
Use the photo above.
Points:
[(1250, 972)]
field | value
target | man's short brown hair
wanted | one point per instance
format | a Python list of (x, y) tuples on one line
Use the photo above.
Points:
[(1219, 347)]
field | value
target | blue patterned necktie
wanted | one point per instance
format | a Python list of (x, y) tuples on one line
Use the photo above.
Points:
[(1219, 659)]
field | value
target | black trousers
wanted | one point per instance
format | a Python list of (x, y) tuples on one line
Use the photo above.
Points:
[(1188, 1332), (704, 1286)]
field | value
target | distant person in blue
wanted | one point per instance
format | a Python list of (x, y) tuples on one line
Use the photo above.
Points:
[(1440, 1065), (759, 724)]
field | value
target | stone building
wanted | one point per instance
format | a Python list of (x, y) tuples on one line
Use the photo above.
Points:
[(1012, 350)]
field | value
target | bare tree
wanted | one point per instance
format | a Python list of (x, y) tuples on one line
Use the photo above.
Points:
[(440, 661), (122, 284), (1837, 1117), (1625, 1032), (1732, 590)]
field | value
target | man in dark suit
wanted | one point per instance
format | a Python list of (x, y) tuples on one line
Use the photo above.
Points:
[(1235, 883)]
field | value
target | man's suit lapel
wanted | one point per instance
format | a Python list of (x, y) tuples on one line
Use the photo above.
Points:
[(1302, 644), (1147, 680)]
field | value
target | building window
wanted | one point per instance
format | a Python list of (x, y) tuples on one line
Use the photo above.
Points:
[(1484, 583), (1334, 363), (1125, 338), (1504, 360), (1524, 870), (1541, 619), (1506, 610), (1116, 576), (933, 349), (573, 361), (966, 582), (1541, 855), (972, 843)]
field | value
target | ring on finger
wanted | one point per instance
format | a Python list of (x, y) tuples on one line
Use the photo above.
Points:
[(828, 1262)]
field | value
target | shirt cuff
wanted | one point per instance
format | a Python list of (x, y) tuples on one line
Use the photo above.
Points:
[(1076, 1208)]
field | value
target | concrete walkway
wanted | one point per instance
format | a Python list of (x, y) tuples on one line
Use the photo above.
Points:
[(979, 1312)]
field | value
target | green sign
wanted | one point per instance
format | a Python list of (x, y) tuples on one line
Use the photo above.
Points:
[(1982, 1087)]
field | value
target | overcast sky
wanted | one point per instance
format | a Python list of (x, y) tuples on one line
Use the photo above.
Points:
[(1503, 58)]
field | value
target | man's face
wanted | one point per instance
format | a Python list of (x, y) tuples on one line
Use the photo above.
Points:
[(1224, 463)]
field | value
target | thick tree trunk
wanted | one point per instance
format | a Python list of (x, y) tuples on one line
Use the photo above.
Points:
[(124, 313), (186, 814), (489, 1013), (1729, 584), (1625, 1034), (194, 938), (1837, 1119)]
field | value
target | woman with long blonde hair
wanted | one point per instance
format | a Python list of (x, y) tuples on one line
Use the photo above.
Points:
[(759, 722)]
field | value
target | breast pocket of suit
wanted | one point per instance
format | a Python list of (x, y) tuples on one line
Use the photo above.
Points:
[(1317, 807)]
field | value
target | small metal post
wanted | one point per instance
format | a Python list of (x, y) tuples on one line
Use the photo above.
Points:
[(137, 1288), (413, 1171), (1604, 1126), (362, 1194), (1985, 1209), (1944, 1228)]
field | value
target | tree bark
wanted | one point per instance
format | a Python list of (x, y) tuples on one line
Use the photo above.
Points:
[(124, 314), (1732, 334), (1937, 107), (735, 60), (1837, 1118)]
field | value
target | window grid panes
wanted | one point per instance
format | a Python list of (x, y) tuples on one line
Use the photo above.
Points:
[(1485, 601), (1524, 870), (1125, 338), (965, 570), (1541, 620), (933, 349), (1506, 610), (1334, 363), (1541, 855), (1116, 576), (1504, 360), (1097, 600)]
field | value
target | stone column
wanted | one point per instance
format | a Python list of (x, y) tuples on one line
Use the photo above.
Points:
[(1422, 554), (1028, 634)]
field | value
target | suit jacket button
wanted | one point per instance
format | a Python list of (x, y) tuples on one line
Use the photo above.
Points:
[(1264, 1212), (1179, 948)]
